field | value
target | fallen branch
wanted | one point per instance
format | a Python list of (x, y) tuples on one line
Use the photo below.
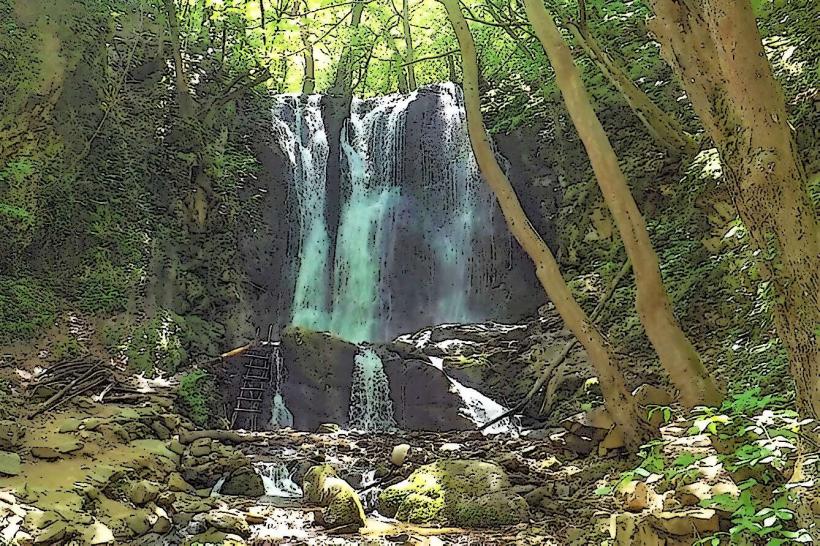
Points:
[(558, 360), (226, 436)]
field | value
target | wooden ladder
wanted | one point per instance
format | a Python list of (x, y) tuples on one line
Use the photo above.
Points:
[(256, 381)]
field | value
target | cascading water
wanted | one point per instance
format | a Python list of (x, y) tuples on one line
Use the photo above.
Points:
[(277, 479), (305, 143), (281, 416), (477, 407), (415, 241), (371, 409)]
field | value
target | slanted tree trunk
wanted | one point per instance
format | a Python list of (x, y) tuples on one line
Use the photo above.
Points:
[(716, 50), (408, 45), (662, 126), (184, 99), (309, 79), (342, 84), (619, 402), (676, 353)]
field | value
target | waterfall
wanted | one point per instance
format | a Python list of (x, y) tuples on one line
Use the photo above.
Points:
[(277, 479), (305, 143), (370, 406), (478, 408), (417, 225), (281, 416)]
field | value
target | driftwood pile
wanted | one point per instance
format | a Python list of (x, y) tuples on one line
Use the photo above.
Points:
[(85, 375)]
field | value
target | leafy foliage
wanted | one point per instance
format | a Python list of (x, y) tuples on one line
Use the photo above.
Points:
[(194, 392)]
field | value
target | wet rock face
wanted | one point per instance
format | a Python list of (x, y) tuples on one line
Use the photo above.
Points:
[(422, 397), (319, 376)]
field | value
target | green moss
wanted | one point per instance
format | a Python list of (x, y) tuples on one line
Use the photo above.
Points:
[(464, 493), (194, 390), (314, 482), (26, 308), (421, 509)]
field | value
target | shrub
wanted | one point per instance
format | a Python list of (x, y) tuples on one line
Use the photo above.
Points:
[(194, 393)]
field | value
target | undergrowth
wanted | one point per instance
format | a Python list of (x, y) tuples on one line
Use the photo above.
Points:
[(758, 442)]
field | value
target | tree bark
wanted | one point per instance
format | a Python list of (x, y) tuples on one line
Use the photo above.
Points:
[(619, 402), (184, 99), (716, 50), (309, 80), (676, 353), (408, 44), (343, 82)]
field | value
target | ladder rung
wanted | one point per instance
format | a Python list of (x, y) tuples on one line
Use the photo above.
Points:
[(249, 399), (253, 389), (244, 410), (256, 378), (257, 356)]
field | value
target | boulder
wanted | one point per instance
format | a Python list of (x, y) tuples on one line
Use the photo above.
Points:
[(319, 377), (342, 506), (177, 483), (9, 463), (314, 482), (458, 492), (422, 396), (143, 492), (399, 454), (695, 522), (244, 482), (227, 521), (55, 533)]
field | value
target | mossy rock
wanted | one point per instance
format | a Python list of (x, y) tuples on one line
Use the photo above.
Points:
[(314, 482), (244, 482), (462, 493), (344, 508)]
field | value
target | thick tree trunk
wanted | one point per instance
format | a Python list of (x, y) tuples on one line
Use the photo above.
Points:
[(186, 102), (676, 353), (715, 48), (343, 82), (309, 80), (408, 44), (619, 402), (663, 127)]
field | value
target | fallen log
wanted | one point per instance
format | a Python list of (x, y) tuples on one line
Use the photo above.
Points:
[(225, 436)]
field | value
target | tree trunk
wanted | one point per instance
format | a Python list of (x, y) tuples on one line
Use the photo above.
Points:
[(264, 23), (408, 43), (676, 353), (715, 48), (186, 103), (663, 127), (309, 80), (619, 402), (343, 82)]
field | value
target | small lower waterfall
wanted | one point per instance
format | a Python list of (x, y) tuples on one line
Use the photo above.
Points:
[(278, 480), (477, 407), (281, 416), (371, 409)]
